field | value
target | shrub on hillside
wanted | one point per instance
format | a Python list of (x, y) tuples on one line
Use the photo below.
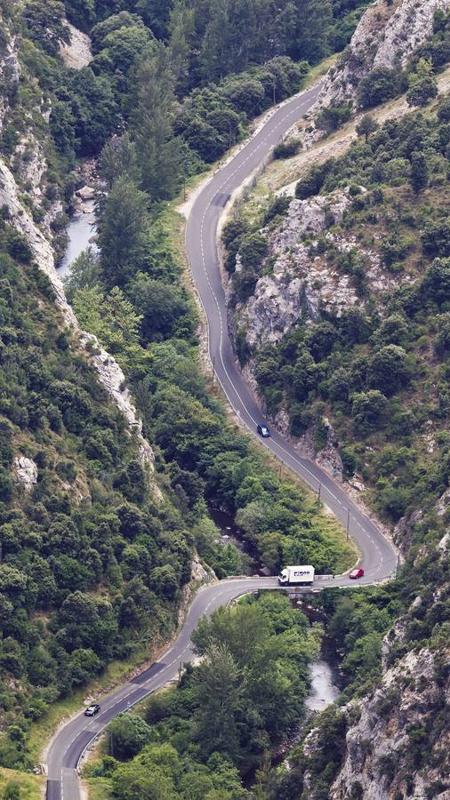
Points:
[(313, 181), (380, 85), (368, 411)]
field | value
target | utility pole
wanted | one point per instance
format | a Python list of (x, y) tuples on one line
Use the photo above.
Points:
[(348, 523)]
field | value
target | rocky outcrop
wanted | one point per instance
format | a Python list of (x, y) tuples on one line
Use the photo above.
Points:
[(300, 281), (77, 53), (26, 472), (410, 25), (30, 166), (110, 374), (387, 36), (297, 283), (381, 746)]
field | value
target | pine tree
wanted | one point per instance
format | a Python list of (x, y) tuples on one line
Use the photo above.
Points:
[(123, 232), (181, 27), (159, 152), (419, 171)]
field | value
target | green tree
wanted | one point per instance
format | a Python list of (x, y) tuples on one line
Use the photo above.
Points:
[(419, 171), (44, 21), (164, 308), (368, 411), (312, 27), (159, 151), (331, 117), (219, 691), (422, 84), (122, 48), (81, 13), (119, 159), (127, 735), (366, 126), (379, 85), (389, 369), (135, 781), (84, 273), (123, 229), (181, 43)]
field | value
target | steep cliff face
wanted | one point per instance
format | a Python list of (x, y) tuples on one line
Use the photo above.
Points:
[(387, 36), (300, 282), (398, 747), (356, 250), (26, 174)]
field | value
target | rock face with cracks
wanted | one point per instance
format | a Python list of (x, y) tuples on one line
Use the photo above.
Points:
[(109, 373), (26, 472), (299, 283), (387, 36), (380, 746)]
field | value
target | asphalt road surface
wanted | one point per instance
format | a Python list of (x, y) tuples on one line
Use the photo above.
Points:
[(377, 554)]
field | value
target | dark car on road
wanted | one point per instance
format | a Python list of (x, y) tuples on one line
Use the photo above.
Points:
[(263, 431), (92, 710), (357, 573)]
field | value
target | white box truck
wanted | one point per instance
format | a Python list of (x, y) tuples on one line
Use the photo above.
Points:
[(296, 576)]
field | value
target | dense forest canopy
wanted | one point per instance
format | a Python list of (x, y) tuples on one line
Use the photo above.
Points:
[(92, 564), (180, 49), (197, 740)]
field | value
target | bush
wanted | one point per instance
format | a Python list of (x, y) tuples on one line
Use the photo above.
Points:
[(389, 369), (128, 734), (369, 411), (332, 117), (436, 239), (313, 181), (276, 208), (436, 282), (366, 126), (287, 149), (422, 92), (380, 85)]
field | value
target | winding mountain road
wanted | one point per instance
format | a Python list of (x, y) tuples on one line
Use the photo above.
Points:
[(377, 553)]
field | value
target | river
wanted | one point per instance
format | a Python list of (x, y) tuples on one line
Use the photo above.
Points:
[(323, 689), (80, 230)]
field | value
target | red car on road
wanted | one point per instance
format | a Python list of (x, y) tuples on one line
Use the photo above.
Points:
[(357, 573)]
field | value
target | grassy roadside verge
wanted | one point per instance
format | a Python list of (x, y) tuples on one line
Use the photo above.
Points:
[(31, 786), (319, 70), (43, 729)]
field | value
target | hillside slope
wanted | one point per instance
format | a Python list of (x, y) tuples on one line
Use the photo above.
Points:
[(340, 301), (98, 528)]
